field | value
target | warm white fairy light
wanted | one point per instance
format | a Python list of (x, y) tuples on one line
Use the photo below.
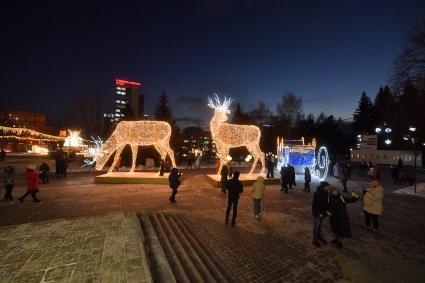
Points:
[(25, 131), (136, 133), (227, 136), (73, 139), (39, 150), (93, 152)]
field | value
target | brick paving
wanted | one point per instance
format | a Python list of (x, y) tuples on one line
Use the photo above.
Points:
[(277, 248), (97, 249)]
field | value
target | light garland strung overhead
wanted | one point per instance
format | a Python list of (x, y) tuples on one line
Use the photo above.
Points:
[(135, 134), (227, 136), (25, 131)]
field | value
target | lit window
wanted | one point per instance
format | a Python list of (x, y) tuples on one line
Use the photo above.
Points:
[(117, 110), (117, 115), (117, 101)]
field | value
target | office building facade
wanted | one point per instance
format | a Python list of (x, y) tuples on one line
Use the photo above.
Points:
[(128, 102)]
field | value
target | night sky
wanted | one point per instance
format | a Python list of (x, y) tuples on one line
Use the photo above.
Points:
[(327, 52)]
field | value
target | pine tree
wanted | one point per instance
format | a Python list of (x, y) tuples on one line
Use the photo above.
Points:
[(364, 116), (384, 105), (164, 113), (163, 110)]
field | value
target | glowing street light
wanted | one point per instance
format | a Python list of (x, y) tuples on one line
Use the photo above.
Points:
[(412, 129), (388, 130), (378, 130), (387, 141)]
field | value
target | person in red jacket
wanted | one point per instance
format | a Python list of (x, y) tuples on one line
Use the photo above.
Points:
[(32, 184)]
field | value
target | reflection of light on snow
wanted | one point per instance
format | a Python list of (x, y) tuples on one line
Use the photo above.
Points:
[(73, 140), (39, 149), (322, 163), (93, 152)]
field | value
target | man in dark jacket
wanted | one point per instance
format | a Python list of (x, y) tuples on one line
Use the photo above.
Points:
[(284, 178), (234, 188), (319, 210)]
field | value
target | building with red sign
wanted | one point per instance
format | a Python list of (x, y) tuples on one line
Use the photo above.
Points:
[(129, 103)]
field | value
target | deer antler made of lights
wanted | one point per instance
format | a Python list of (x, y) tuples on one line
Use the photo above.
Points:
[(227, 136), (136, 133)]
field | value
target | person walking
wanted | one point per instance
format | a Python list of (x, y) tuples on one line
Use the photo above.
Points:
[(373, 207), (44, 173), (270, 167), (9, 182), (319, 209), (174, 180), (284, 179), (234, 188), (340, 223), (307, 179), (32, 184), (223, 180), (344, 177), (189, 161), (291, 176), (258, 190), (2, 155), (198, 161)]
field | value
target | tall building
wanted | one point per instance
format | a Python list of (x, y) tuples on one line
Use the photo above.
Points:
[(129, 103)]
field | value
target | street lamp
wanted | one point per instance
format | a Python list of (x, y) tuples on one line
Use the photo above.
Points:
[(411, 136)]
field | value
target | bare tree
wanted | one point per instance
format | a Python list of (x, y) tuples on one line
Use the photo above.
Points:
[(290, 108), (88, 114), (260, 113), (410, 64)]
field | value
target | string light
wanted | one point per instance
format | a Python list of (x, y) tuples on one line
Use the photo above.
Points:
[(227, 136), (39, 150), (26, 131), (73, 139), (136, 133), (92, 151), (297, 153), (322, 163)]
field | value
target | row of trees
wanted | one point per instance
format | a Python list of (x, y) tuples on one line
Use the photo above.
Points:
[(398, 106)]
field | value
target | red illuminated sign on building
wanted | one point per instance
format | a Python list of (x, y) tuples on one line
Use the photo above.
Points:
[(124, 82)]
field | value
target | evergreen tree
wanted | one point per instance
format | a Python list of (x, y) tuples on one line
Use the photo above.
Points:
[(364, 116), (240, 117), (163, 110), (384, 105), (164, 113)]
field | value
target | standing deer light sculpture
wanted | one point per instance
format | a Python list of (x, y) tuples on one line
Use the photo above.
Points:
[(136, 133), (227, 136)]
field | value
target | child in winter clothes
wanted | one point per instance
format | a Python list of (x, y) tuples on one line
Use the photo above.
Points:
[(373, 207), (258, 190), (9, 182)]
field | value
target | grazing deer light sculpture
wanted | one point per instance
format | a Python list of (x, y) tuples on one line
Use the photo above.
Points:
[(227, 136), (136, 133)]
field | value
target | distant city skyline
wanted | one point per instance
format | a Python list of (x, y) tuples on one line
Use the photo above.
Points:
[(325, 52)]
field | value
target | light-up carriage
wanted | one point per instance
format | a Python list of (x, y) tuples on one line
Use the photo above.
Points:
[(301, 155)]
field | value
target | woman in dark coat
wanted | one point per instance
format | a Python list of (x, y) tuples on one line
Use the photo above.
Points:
[(307, 179), (340, 222), (174, 181), (223, 174)]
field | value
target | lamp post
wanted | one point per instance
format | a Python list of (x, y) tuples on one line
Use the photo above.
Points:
[(413, 138)]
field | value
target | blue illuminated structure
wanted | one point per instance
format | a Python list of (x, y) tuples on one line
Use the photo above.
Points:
[(301, 155)]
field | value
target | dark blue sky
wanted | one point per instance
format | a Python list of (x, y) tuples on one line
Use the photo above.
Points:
[(327, 52)]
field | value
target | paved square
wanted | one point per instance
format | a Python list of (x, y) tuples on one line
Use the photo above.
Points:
[(100, 238)]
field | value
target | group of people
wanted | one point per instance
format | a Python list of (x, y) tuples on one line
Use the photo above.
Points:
[(61, 160), (32, 182), (287, 175), (329, 202), (192, 160)]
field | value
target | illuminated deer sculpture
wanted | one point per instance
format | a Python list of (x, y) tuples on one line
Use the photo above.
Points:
[(136, 133), (227, 136)]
